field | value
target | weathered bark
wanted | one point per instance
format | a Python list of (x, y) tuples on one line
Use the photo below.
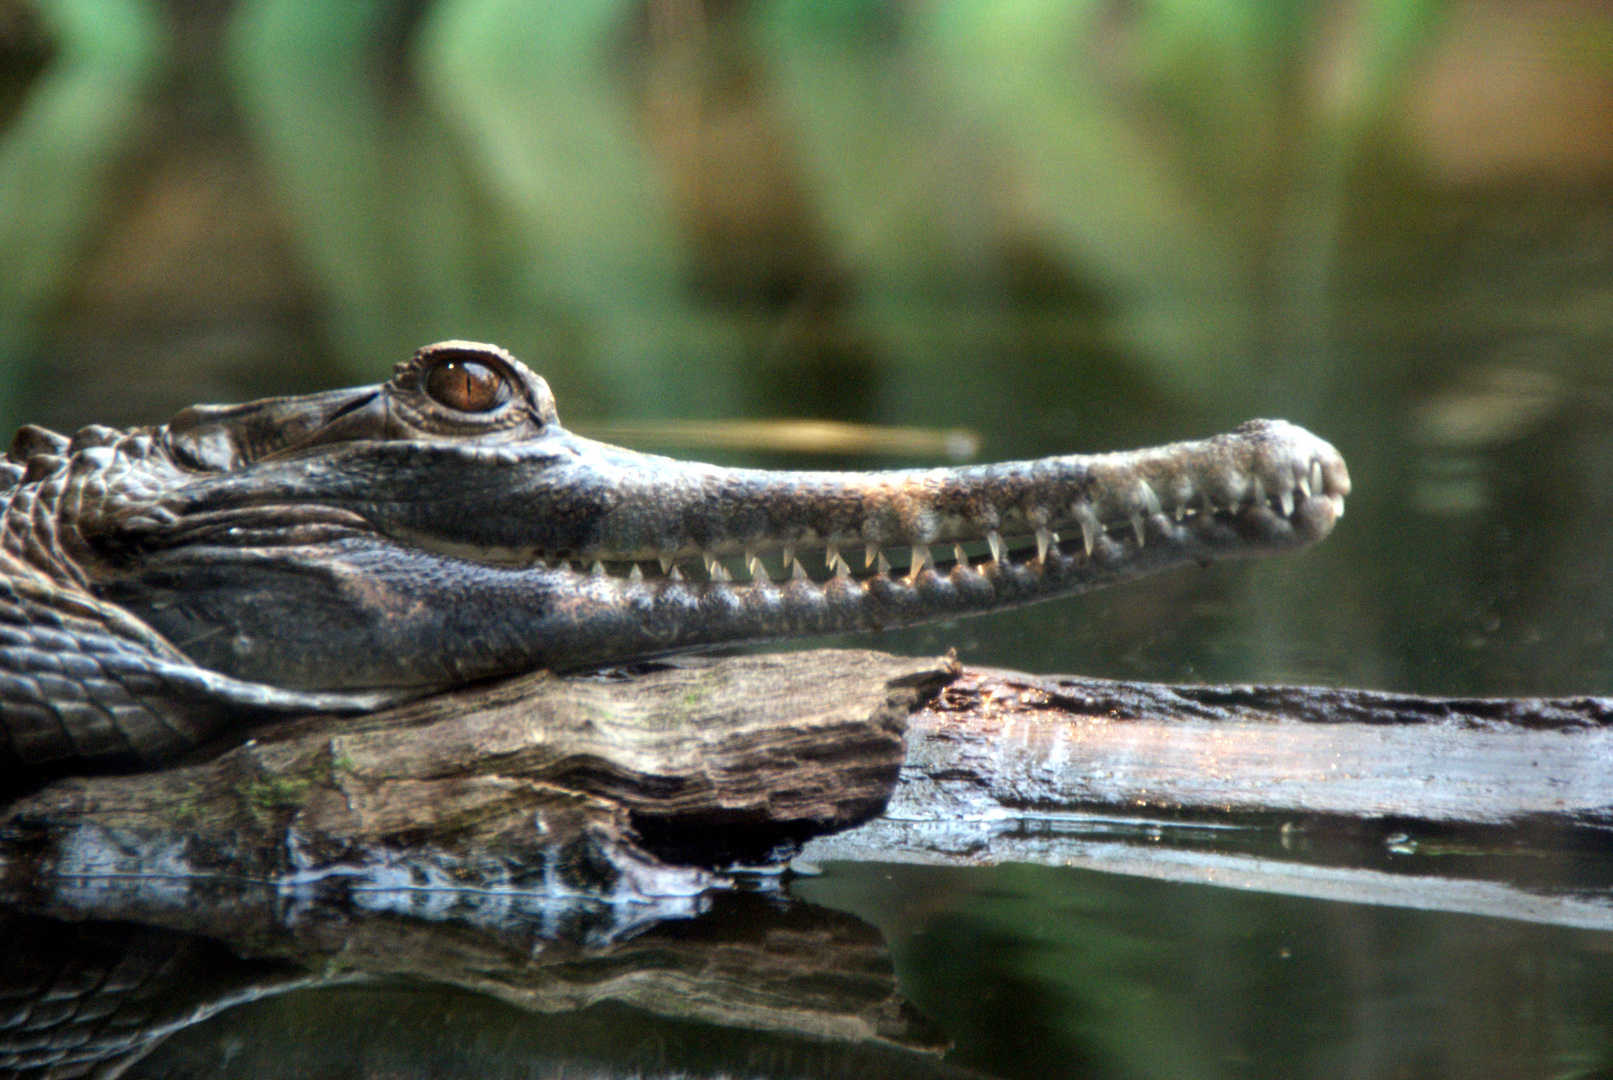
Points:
[(498, 840), (1065, 742), (1488, 806), (539, 782)]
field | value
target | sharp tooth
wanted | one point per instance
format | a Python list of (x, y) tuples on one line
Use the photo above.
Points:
[(958, 554), (1181, 511), (1338, 506), (1316, 478), (995, 542), (920, 559), (1150, 500), (1304, 484), (666, 562), (598, 569), (789, 555), (1287, 499), (710, 561), (1043, 541), (882, 564), (842, 568), (797, 571), (719, 572), (1260, 493), (1137, 527), (675, 574), (757, 570), (870, 554), (831, 555), (1090, 525), (635, 574)]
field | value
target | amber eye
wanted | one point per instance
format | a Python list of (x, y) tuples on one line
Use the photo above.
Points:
[(466, 385)]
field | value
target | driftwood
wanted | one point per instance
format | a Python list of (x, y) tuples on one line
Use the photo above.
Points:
[(586, 786), (1499, 807), (1069, 742), (632, 788)]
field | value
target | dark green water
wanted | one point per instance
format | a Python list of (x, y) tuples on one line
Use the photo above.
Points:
[(1053, 973), (1069, 226)]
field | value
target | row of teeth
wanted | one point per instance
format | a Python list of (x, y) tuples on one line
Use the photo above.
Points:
[(922, 557)]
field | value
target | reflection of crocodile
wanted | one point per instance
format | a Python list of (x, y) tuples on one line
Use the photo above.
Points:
[(745, 984), (346, 549)]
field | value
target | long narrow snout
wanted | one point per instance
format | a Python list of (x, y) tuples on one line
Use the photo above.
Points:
[(717, 556)]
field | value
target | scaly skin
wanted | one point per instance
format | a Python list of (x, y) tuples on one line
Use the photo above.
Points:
[(349, 549)]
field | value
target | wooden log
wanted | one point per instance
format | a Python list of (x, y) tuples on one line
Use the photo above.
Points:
[(1007, 739), (624, 787), (1500, 807), (582, 784)]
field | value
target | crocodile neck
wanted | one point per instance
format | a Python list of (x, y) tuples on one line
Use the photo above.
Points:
[(346, 549)]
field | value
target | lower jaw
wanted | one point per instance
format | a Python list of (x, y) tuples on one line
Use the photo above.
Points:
[(1223, 536), (610, 620)]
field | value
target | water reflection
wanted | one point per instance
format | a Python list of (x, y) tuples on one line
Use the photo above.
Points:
[(402, 1032), (755, 982), (1072, 973), (1013, 972)]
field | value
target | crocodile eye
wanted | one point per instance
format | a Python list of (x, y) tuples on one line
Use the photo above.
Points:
[(466, 385)]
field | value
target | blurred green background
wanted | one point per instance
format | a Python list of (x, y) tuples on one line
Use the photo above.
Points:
[(1071, 225)]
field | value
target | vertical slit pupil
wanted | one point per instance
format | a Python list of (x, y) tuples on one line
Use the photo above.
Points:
[(465, 385)]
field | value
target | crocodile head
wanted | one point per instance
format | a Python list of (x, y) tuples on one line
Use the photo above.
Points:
[(444, 526)]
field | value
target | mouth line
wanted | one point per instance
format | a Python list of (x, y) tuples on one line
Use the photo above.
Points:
[(820, 562), (1265, 488)]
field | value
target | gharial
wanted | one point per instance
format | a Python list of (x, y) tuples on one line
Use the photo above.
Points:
[(345, 550)]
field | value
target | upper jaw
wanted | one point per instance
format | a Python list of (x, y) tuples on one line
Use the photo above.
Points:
[(1268, 486)]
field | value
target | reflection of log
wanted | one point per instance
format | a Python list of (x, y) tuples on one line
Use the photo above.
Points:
[(402, 1031), (749, 961), (747, 973), (537, 782), (1475, 805)]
